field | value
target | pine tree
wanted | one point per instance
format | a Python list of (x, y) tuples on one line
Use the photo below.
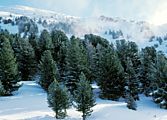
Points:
[(160, 92), (48, 69), (84, 97), (33, 40), (8, 66), (60, 47), (27, 61), (45, 42), (148, 69), (126, 49), (59, 40), (77, 63), (132, 81), (111, 79), (58, 99)]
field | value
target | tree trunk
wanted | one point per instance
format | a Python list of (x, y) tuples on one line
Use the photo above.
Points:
[(57, 117), (84, 116)]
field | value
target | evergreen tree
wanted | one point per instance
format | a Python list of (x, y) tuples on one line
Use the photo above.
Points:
[(45, 42), (94, 46), (8, 66), (60, 47), (59, 40), (111, 81), (33, 40), (126, 49), (84, 97), (160, 93), (131, 80), (27, 61), (58, 99), (77, 62), (48, 69), (148, 69)]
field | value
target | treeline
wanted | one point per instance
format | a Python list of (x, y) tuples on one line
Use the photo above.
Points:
[(67, 67)]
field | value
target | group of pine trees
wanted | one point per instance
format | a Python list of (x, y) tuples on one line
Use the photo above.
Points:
[(67, 67)]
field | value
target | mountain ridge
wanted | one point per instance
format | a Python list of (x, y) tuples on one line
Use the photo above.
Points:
[(107, 27)]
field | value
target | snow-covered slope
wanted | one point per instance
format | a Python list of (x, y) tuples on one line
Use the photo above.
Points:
[(138, 31), (30, 103)]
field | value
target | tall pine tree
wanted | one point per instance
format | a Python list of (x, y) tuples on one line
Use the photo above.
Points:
[(148, 69), (60, 47), (49, 71), (77, 63), (84, 97), (111, 81), (27, 61), (8, 66), (58, 99)]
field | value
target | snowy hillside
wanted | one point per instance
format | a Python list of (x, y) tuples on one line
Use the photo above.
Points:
[(56, 62), (110, 28), (30, 103)]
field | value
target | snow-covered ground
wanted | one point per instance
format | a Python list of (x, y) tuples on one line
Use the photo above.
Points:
[(30, 103)]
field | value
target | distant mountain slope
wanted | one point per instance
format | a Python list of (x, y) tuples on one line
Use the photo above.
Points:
[(143, 33)]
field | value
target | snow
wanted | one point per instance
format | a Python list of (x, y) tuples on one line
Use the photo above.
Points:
[(30, 103), (12, 29), (137, 31)]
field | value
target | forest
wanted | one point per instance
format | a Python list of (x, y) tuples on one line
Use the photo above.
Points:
[(67, 67)]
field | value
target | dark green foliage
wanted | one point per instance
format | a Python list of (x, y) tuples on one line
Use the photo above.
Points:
[(95, 40), (129, 56), (60, 42), (49, 71), (60, 47), (58, 99), (33, 40), (45, 42), (8, 66), (132, 82), (84, 97), (111, 79), (2, 90), (94, 46), (148, 69), (128, 50), (160, 93), (77, 62), (27, 61)]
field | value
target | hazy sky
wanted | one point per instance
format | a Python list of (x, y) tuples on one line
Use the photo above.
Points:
[(154, 11)]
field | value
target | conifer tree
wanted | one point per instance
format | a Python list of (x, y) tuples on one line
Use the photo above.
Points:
[(84, 97), (94, 46), (77, 63), (148, 69), (33, 40), (27, 61), (111, 81), (60, 47), (131, 80), (48, 69), (8, 66), (160, 92), (45, 42), (58, 99)]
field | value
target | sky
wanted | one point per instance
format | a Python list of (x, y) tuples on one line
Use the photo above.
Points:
[(153, 11)]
